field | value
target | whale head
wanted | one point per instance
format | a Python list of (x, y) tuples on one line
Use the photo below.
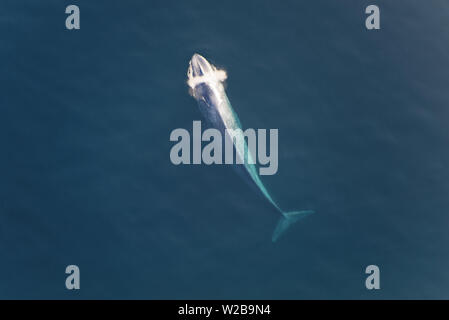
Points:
[(199, 66), (201, 71)]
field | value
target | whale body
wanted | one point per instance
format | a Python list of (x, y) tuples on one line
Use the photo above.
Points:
[(206, 86)]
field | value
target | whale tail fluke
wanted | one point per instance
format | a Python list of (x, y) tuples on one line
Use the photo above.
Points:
[(287, 219)]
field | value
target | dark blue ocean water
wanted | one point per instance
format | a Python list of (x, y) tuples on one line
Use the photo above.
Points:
[(86, 177)]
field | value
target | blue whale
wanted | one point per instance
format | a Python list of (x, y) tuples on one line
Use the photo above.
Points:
[(206, 86)]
